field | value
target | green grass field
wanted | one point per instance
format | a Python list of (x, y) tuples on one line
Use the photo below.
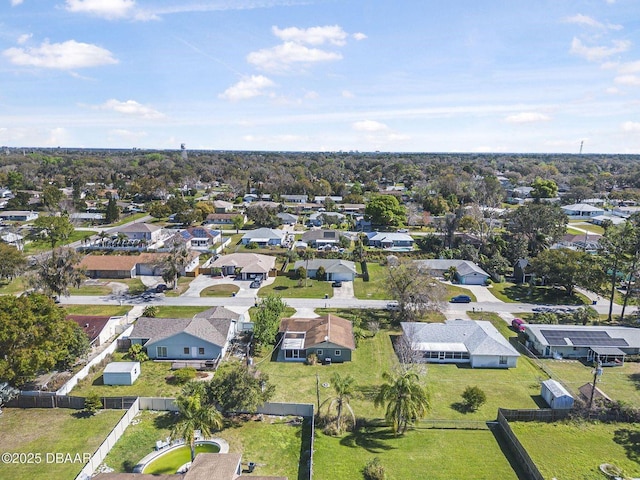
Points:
[(179, 312), (16, 285), (97, 310), (375, 288), (39, 246), (224, 290), (286, 286), (574, 450), (151, 383), (274, 444), (51, 430), (512, 293), (183, 286)]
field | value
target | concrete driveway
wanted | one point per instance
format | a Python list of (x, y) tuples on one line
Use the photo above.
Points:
[(345, 291), (203, 281)]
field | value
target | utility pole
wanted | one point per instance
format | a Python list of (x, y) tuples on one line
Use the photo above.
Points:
[(318, 390), (597, 372)]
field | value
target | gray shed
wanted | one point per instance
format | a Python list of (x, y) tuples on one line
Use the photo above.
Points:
[(121, 373), (556, 395)]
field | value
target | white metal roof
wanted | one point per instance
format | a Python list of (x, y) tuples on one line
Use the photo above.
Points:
[(440, 347)]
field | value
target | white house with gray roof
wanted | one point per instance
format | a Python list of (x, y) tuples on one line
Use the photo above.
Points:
[(467, 273), (335, 269), (390, 240), (263, 237), (476, 342), (204, 337), (582, 210)]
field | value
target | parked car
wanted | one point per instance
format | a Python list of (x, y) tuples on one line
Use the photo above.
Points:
[(461, 299), (160, 288), (336, 284), (393, 306), (255, 284), (518, 324)]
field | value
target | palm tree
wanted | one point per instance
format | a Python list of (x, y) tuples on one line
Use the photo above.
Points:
[(195, 414), (307, 254), (343, 387), (405, 398)]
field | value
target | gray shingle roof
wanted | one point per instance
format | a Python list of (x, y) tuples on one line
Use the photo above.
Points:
[(330, 265), (212, 330)]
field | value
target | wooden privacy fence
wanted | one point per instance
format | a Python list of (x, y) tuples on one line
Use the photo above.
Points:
[(520, 453)]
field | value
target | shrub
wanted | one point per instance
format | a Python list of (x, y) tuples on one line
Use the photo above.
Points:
[(137, 354), (301, 272), (374, 470), (183, 375), (312, 359), (150, 311), (474, 398), (92, 403), (251, 246), (321, 273)]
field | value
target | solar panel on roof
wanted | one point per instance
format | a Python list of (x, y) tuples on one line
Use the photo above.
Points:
[(582, 338)]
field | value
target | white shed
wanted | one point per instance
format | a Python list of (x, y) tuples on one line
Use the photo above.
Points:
[(556, 395), (121, 373)]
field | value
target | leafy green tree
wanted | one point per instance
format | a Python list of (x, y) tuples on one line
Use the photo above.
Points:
[(54, 274), (385, 210), (238, 222), (13, 262), (195, 414), (306, 255), (343, 388), (136, 353), (158, 209), (585, 315), (35, 337), (374, 470), (473, 397), (564, 267), (236, 387), (19, 202), (55, 229), (113, 211), (150, 311), (544, 188), (263, 216), (92, 403), (414, 289), (321, 274), (405, 398), (540, 224), (267, 320), (51, 197), (173, 264), (435, 205)]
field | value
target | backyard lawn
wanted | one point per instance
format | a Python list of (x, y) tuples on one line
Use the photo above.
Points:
[(224, 290), (584, 447), (12, 287), (375, 288), (619, 383), (39, 246), (512, 293), (151, 383), (51, 430), (289, 287), (273, 444)]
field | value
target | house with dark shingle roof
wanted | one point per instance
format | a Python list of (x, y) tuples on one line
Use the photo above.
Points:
[(335, 269), (329, 337), (475, 342), (206, 336), (467, 273), (139, 231)]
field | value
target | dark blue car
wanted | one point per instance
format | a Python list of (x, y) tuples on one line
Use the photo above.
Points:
[(461, 299)]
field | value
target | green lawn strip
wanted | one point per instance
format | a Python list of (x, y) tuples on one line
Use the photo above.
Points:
[(273, 444), (453, 290), (619, 383), (39, 246), (179, 312), (183, 286), (223, 290), (421, 453), (97, 310), (151, 383), (51, 430), (12, 287), (585, 226), (583, 446), (90, 290), (129, 218), (286, 286), (376, 287), (522, 293)]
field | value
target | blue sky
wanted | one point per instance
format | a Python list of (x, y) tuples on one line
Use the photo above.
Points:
[(322, 75)]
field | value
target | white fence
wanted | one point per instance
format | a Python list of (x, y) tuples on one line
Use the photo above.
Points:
[(99, 455), (160, 404), (73, 381)]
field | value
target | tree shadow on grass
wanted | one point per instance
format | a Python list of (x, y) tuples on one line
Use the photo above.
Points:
[(373, 437), (635, 378), (461, 407), (165, 421), (368, 392), (280, 288), (82, 414), (630, 441)]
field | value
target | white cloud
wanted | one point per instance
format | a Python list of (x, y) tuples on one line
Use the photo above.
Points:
[(22, 39), (359, 36), (250, 87), (109, 9), (527, 117), (332, 34), (131, 107), (63, 56), (369, 126), (613, 91), (632, 80), (282, 57), (581, 19), (631, 127), (347, 94), (629, 67), (599, 52), (311, 95), (16, 2)]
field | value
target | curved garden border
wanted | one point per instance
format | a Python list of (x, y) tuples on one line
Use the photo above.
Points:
[(139, 468)]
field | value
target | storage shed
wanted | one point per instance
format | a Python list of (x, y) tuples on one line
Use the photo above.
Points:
[(121, 373), (556, 395)]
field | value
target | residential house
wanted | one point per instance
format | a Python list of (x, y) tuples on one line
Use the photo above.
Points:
[(200, 238), (467, 273), (588, 242), (602, 219), (131, 266), (18, 216), (246, 265), (521, 273), (223, 218), (287, 218), (250, 197), (317, 219), (335, 268), (202, 337), (14, 239), (323, 198), (263, 237), (220, 206), (610, 345), (98, 329), (329, 337), (582, 210), (321, 238), (140, 231), (295, 198), (475, 342), (87, 217), (390, 240)]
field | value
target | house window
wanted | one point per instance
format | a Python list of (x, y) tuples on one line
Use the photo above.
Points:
[(319, 352), (337, 353), (186, 350), (200, 350), (503, 360), (161, 352)]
